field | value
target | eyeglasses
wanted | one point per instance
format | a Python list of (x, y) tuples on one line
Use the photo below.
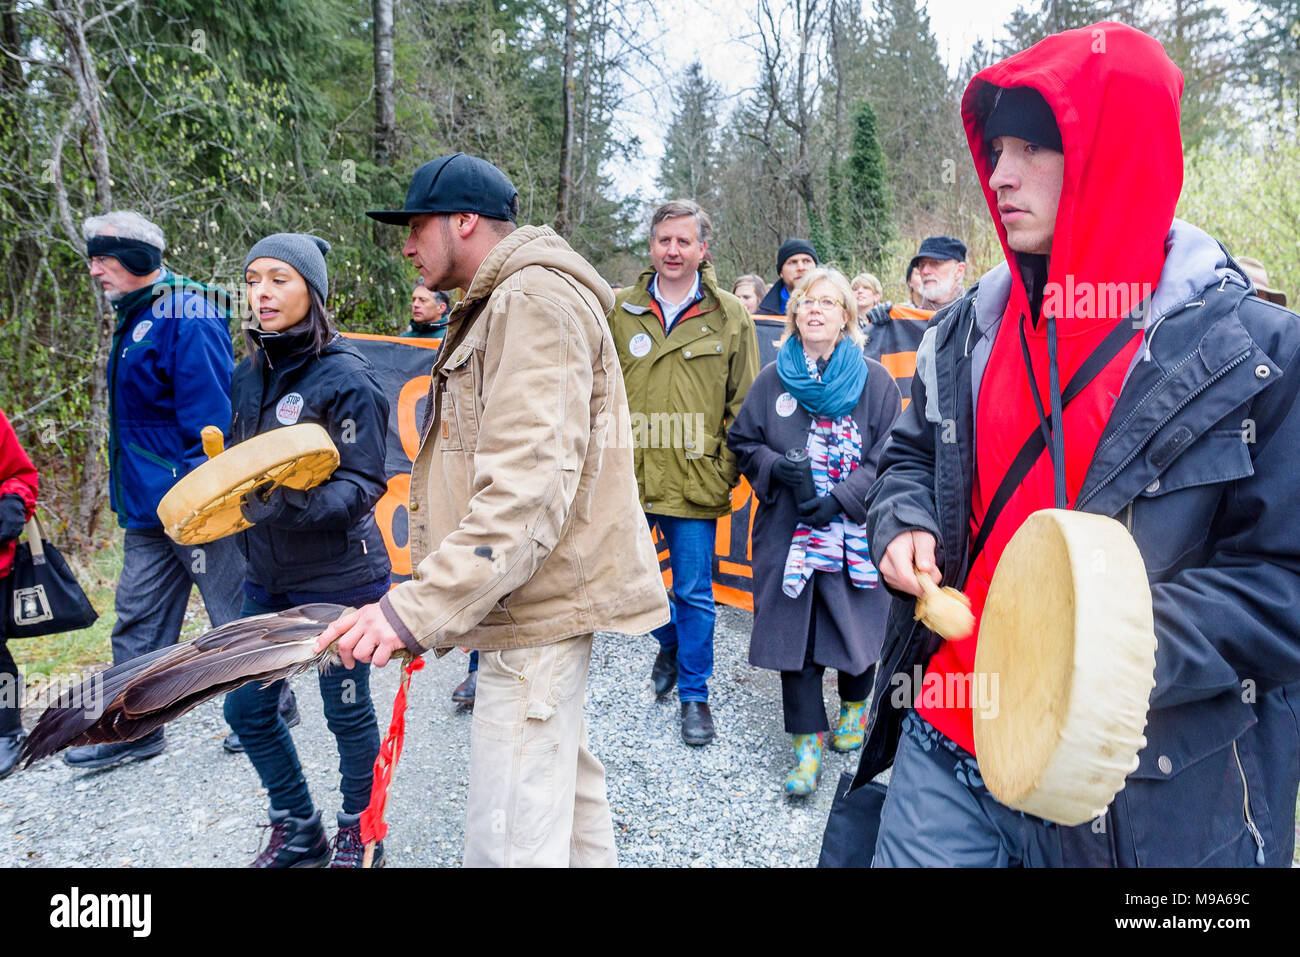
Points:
[(826, 303)]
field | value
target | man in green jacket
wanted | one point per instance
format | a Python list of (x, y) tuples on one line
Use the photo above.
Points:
[(689, 355)]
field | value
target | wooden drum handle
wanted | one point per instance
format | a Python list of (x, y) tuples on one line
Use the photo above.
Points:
[(926, 582), (213, 442)]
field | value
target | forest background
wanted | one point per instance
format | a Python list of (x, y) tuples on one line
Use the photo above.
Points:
[(227, 122)]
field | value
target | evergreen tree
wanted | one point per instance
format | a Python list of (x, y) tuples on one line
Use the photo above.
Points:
[(1196, 36), (914, 102), (689, 165), (1272, 54), (1032, 22), (867, 191)]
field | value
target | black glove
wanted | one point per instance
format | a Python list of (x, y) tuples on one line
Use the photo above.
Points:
[(262, 504), (791, 474), (879, 313), (13, 516), (818, 512)]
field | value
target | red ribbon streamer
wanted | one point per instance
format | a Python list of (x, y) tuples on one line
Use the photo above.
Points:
[(373, 826)]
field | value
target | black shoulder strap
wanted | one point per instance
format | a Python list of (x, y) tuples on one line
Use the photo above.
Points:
[(1120, 336)]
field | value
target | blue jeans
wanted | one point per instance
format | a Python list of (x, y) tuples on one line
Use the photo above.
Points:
[(253, 713), (690, 544)]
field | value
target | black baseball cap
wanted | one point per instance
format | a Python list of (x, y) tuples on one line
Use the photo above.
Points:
[(937, 247), (455, 184)]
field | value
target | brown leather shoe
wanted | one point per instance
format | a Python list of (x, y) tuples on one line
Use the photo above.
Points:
[(664, 672), (697, 723)]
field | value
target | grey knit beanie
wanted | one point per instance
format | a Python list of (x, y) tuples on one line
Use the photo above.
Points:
[(303, 251)]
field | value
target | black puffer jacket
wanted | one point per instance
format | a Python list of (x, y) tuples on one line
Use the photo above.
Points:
[(326, 539)]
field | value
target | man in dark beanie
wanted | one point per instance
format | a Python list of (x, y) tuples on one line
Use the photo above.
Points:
[(1114, 364), (793, 260), (168, 376)]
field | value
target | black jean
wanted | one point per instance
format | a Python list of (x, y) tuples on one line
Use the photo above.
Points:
[(801, 691), (11, 692), (253, 713)]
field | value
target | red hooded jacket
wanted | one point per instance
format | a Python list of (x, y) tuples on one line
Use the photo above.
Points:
[(17, 477), (1115, 95)]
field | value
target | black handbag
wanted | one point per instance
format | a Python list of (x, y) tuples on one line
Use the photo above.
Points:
[(42, 596), (854, 822)]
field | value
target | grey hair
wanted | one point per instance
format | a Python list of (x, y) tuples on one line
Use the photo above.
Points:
[(683, 207), (125, 224)]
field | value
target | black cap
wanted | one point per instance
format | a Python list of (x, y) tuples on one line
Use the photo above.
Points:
[(937, 247), (455, 184), (1021, 111)]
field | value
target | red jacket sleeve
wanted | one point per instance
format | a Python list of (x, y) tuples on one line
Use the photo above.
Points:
[(17, 473)]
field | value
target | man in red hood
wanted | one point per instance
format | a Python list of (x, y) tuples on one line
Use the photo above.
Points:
[(1165, 397)]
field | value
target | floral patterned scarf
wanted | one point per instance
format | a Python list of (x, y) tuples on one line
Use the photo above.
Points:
[(834, 452)]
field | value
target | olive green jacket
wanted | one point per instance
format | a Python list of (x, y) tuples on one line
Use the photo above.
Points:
[(684, 390)]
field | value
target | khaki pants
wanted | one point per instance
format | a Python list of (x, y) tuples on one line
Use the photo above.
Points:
[(536, 794)]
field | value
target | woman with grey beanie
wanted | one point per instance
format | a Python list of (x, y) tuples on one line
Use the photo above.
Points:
[(314, 545)]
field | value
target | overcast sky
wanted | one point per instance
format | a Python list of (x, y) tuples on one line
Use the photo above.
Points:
[(714, 31)]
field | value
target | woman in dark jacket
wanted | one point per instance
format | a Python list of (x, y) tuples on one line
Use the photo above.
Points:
[(316, 545), (817, 603)]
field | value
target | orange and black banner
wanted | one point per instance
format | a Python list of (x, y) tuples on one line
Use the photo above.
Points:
[(402, 366)]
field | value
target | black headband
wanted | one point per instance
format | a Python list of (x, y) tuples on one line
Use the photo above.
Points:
[(137, 257)]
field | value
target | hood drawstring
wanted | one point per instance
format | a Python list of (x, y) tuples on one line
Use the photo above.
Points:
[(1054, 429)]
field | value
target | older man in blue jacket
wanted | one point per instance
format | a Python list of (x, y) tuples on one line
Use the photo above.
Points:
[(168, 377)]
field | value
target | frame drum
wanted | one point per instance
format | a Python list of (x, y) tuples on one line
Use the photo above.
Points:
[(204, 505), (1067, 645)]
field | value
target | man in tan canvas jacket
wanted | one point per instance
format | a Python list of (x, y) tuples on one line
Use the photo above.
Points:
[(537, 540)]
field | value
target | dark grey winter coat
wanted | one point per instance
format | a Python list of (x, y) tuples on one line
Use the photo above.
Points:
[(852, 626)]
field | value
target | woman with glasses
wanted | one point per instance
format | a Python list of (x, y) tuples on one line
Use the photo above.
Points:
[(808, 437)]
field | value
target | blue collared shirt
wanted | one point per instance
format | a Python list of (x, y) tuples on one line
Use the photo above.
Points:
[(672, 311)]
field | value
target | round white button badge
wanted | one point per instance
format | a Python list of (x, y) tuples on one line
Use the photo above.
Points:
[(141, 330), (785, 405), (639, 345), (289, 409)]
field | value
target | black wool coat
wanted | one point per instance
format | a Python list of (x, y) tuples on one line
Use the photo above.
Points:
[(851, 622)]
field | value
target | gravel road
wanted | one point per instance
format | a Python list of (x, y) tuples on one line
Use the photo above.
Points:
[(197, 806)]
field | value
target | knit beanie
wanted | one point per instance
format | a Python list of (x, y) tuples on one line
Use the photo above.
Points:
[(1021, 111), (303, 251), (793, 247)]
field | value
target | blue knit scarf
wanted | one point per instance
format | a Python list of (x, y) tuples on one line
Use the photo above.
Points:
[(841, 384)]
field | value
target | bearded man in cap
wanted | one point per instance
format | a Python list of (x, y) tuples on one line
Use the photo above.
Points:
[(537, 540), (168, 377)]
